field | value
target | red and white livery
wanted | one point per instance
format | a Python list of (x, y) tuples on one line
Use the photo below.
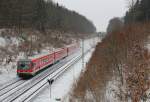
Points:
[(29, 67)]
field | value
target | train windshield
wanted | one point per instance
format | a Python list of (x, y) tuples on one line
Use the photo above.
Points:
[(24, 65)]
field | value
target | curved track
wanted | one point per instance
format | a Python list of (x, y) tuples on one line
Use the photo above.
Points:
[(23, 91)]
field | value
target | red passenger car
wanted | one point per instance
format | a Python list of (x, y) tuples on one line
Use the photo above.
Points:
[(60, 53), (29, 67)]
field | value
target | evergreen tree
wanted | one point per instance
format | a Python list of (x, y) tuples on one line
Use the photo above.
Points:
[(140, 12), (42, 15)]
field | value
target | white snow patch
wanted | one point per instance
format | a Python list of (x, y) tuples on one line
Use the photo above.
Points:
[(112, 91), (2, 42), (15, 41), (63, 85), (148, 91), (7, 72)]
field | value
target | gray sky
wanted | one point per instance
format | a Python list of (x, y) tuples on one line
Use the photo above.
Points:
[(98, 11)]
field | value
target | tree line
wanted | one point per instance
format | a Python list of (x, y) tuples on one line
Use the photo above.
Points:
[(139, 11), (42, 15)]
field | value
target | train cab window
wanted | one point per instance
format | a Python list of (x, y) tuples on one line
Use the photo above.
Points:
[(24, 65), (34, 64)]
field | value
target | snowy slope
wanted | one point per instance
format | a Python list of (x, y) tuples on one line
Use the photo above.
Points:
[(63, 85)]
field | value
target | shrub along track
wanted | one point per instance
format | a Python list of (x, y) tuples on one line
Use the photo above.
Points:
[(118, 53)]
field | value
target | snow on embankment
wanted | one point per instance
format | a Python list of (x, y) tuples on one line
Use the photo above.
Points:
[(15, 45), (147, 91), (59, 89), (8, 55), (118, 69)]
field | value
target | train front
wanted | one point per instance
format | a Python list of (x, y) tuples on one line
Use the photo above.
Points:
[(24, 68)]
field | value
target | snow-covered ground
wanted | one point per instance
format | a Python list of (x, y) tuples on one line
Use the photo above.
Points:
[(113, 90), (63, 85), (9, 41), (148, 91), (7, 73)]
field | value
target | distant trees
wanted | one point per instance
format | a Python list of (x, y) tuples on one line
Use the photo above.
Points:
[(42, 15), (139, 12), (115, 24), (17, 13)]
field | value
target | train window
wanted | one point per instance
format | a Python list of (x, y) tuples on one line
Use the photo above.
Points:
[(24, 65), (45, 60), (33, 64)]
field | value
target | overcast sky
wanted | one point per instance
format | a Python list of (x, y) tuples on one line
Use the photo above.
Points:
[(98, 11)]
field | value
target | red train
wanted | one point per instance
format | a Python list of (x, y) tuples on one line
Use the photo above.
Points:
[(29, 67)]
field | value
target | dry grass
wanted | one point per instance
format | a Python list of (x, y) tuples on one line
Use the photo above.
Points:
[(120, 54)]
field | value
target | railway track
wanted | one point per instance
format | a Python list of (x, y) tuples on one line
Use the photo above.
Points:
[(24, 91), (8, 89), (29, 95), (13, 81)]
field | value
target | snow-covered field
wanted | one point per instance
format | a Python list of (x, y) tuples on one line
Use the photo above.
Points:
[(62, 86), (7, 45), (7, 73), (148, 91)]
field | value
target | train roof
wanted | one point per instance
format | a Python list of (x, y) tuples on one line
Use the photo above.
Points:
[(24, 60), (40, 55), (45, 53)]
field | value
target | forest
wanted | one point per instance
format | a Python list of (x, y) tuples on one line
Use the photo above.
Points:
[(118, 70), (139, 11), (42, 15)]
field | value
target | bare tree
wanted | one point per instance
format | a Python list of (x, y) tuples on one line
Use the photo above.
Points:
[(131, 3)]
